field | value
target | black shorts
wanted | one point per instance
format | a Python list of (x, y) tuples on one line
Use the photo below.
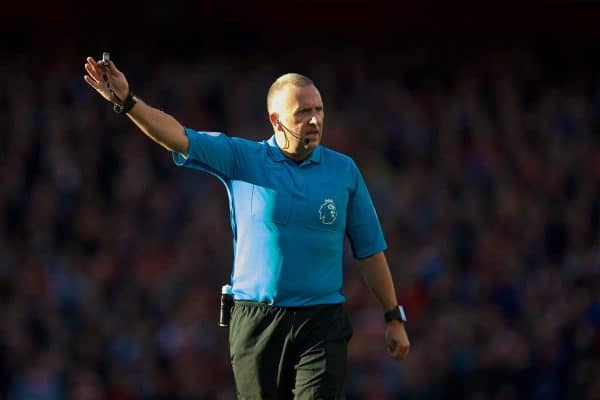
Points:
[(289, 353)]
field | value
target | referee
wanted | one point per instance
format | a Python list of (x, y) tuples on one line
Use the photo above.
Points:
[(292, 202)]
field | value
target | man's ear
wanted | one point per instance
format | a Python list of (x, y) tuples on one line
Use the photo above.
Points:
[(274, 119)]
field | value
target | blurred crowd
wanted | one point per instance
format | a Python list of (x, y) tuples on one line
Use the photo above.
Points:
[(483, 163)]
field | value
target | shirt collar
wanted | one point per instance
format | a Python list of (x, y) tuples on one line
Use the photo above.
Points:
[(278, 156)]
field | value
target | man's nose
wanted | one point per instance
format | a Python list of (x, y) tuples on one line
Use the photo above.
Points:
[(313, 120)]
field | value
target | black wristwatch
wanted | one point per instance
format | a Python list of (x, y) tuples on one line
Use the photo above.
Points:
[(395, 314), (126, 105)]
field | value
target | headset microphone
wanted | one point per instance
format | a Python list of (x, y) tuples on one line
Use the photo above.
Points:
[(305, 141)]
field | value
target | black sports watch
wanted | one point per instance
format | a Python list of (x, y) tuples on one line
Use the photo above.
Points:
[(126, 105), (396, 313)]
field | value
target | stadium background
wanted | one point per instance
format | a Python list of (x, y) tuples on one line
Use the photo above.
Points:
[(477, 131)]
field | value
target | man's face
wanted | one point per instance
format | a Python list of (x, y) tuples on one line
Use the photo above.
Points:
[(301, 111)]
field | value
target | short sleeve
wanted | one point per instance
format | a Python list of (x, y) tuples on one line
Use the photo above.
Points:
[(363, 227), (208, 151)]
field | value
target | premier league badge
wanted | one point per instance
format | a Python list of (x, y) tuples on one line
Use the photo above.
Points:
[(327, 212)]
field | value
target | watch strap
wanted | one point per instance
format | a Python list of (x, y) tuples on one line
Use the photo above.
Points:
[(126, 105), (396, 313)]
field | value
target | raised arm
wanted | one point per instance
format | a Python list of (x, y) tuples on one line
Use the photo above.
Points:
[(156, 124)]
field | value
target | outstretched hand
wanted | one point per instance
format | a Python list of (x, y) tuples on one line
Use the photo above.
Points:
[(104, 78), (396, 340)]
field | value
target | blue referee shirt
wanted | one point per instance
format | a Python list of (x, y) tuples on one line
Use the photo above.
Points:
[(288, 220)]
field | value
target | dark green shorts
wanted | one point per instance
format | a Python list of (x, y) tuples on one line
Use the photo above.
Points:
[(289, 353)]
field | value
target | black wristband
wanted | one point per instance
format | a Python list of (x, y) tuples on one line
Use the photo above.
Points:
[(126, 105)]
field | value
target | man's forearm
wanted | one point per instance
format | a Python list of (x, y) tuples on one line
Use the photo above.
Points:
[(377, 275), (160, 127)]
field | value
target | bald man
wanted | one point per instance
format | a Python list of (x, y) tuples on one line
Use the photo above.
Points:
[(293, 202)]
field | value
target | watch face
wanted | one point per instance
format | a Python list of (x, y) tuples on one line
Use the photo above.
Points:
[(402, 314)]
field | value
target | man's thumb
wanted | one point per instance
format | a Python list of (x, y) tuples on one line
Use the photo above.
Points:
[(113, 67)]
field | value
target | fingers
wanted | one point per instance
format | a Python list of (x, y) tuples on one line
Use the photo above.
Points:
[(92, 82), (97, 76), (93, 68), (398, 351), (90, 76), (93, 74)]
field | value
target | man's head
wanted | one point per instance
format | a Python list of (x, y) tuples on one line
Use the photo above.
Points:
[(296, 113)]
